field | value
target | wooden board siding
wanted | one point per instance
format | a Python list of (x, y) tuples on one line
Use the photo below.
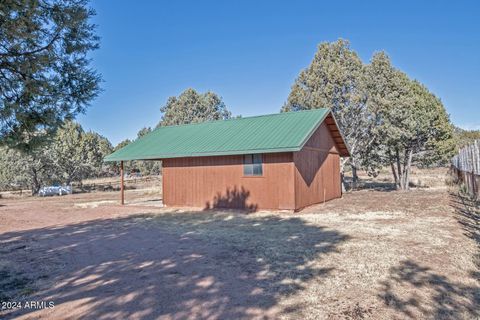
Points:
[(290, 180), (317, 170), (322, 139), (210, 182)]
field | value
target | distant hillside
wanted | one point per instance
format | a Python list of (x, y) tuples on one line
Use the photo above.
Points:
[(464, 137)]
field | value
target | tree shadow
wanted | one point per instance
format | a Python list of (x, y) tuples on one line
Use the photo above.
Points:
[(176, 265), (467, 212), (448, 300), (439, 298), (235, 198)]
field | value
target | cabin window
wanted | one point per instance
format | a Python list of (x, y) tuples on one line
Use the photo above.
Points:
[(252, 165)]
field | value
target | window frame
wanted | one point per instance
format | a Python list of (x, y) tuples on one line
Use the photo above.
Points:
[(253, 165)]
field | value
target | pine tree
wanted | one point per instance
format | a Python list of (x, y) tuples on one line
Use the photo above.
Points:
[(45, 72)]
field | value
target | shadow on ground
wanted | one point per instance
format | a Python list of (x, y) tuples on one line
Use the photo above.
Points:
[(178, 265), (467, 212), (418, 292), (446, 298)]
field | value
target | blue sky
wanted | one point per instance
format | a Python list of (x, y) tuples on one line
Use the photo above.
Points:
[(250, 52)]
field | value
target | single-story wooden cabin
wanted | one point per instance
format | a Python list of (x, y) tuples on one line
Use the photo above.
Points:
[(281, 161)]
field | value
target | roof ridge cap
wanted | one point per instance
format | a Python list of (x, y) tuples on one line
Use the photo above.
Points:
[(240, 118)]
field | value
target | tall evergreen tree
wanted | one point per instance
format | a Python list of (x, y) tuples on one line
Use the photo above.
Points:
[(45, 74), (335, 80), (411, 124), (386, 118)]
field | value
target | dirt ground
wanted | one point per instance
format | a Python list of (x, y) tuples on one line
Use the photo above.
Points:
[(374, 254)]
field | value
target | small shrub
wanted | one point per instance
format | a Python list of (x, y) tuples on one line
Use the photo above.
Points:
[(463, 189), (451, 180)]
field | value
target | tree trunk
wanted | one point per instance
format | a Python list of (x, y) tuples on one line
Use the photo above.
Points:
[(354, 176), (408, 166), (35, 183), (342, 173), (392, 166), (403, 170), (395, 177), (399, 170)]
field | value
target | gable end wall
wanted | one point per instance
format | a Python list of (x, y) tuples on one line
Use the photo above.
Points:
[(317, 170)]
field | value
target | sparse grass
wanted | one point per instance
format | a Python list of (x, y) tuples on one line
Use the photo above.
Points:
[(371, 255), (14, 284), (419, 179)]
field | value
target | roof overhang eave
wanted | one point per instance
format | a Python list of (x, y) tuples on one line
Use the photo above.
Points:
[(202, 154)]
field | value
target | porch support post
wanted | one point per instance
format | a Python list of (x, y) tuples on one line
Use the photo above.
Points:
[(122, 201)]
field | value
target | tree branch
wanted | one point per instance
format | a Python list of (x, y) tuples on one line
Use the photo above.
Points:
[(28, 53)]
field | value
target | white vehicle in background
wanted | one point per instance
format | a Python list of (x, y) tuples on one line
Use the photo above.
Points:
[(55, 191)]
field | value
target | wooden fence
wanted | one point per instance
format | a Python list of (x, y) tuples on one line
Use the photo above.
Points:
[(466, 168)]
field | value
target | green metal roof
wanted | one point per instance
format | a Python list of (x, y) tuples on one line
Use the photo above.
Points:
[(281, 132)]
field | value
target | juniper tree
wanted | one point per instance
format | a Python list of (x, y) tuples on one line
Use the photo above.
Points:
[(465, 137), (19, 170), (77, 154), (71, 155), (386, 118), (335, 79), (193, 107), (410, 123), (96, 148)]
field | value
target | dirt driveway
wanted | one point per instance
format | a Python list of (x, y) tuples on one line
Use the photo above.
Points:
[(371, 254)]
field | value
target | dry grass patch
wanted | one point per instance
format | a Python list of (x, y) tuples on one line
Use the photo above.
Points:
[(370, 255)]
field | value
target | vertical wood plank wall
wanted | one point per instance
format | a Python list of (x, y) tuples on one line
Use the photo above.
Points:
[(290, 180), (211, 182), (317, 170)]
